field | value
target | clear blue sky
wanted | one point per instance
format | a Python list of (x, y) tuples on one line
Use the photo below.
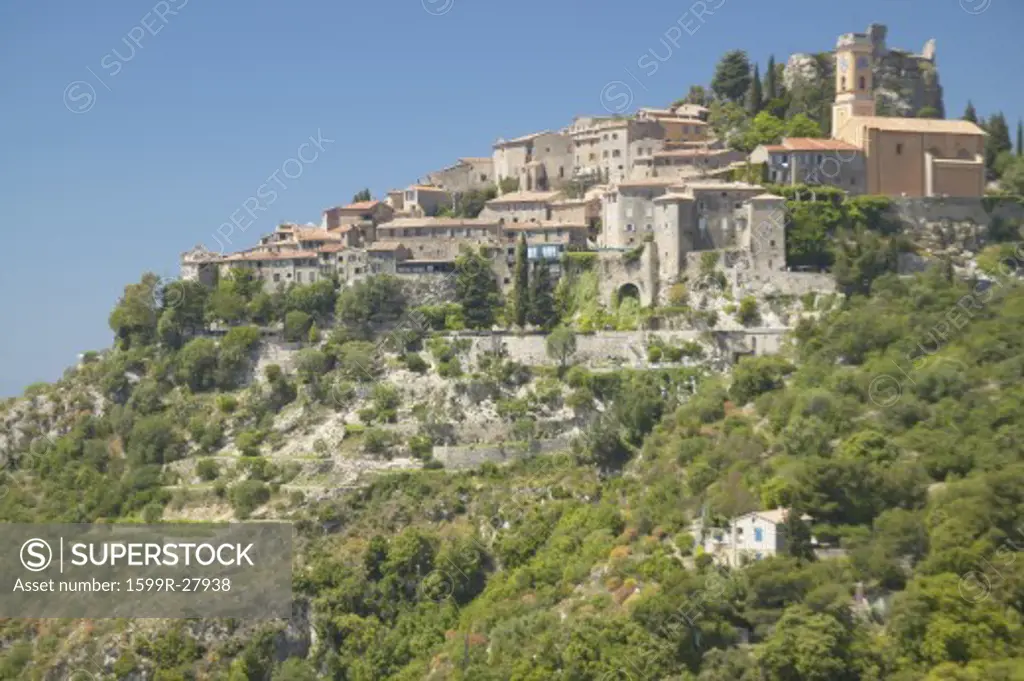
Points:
[(186, 122)]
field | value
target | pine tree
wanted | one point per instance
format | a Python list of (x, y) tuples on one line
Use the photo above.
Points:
[(770, 89), (754, 95), (542, 299), (998, 139), (732, 76), (521, 292), (1020, 137), (969, 113)]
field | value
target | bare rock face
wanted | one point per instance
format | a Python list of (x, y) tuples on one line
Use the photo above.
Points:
[(801, 69), (905, 82)]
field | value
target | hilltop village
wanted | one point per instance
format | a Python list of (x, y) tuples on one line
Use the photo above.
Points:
[(657, 183)]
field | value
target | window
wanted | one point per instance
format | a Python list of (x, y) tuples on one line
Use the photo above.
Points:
[(616, 153), (772, 243), (842, 83), (277, 277), (899, 149), (615, 135), (758, 535), (604, 154), (863, 83), (298, 277)]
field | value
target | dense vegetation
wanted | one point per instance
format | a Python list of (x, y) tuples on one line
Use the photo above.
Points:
[(895, 422), (896, 426)]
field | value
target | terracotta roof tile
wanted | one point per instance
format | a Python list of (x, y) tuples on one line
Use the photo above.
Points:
[(814, 144), (358, 205), (924, 125), (267, 256)]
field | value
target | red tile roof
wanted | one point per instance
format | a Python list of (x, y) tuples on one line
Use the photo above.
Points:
[(259, 257), (358, 205)]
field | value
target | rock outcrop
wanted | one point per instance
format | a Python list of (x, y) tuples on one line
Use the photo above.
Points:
[(905, 82)]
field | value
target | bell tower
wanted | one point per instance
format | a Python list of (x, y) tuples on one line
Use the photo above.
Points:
[(854, 87)]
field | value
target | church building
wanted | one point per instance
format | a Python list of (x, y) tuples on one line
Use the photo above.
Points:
[(903, 156)]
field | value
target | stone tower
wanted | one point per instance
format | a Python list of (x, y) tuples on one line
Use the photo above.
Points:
[(854, 83)]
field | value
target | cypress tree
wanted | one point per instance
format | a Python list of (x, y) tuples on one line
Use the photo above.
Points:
[(521, 292), (998, 139), (754, 94), (969, 113), (542, 298), (1020, 137), (770, 89)]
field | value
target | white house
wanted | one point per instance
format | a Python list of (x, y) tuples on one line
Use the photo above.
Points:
[(748, 537)]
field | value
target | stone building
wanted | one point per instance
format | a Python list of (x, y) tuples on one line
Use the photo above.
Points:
[(804, 160), (424, 201), (628, 211), (540, 161), (200, 264), (684, 163), (911, 157), (585, 211), (522, 206), (468, 174), (374, 212), (276, 269), (749, 537), (604, 147), (708, 216), (440, 238)]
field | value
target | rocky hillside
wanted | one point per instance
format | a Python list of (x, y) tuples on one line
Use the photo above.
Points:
[(905, 82)]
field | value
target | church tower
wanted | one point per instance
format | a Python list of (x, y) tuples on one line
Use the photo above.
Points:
[(854, 87)]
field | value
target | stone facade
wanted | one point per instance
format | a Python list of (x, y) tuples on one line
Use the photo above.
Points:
[(466, 175), (540, 162), (903, 156), (813, 162)]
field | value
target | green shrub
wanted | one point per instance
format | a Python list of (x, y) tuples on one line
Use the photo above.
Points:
[(414, 362), (208, 470), (248, 442), (748, 313), (296, 326), (421, 446), (227, 403), (152, 513), (377, 441), (654, 354), (247, 496)]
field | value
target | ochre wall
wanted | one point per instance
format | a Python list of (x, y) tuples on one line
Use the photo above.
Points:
[(896, 162)]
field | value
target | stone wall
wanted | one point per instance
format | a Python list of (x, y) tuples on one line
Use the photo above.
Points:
[(472, 457), (622, 348), (615, 272), (954, 227)]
